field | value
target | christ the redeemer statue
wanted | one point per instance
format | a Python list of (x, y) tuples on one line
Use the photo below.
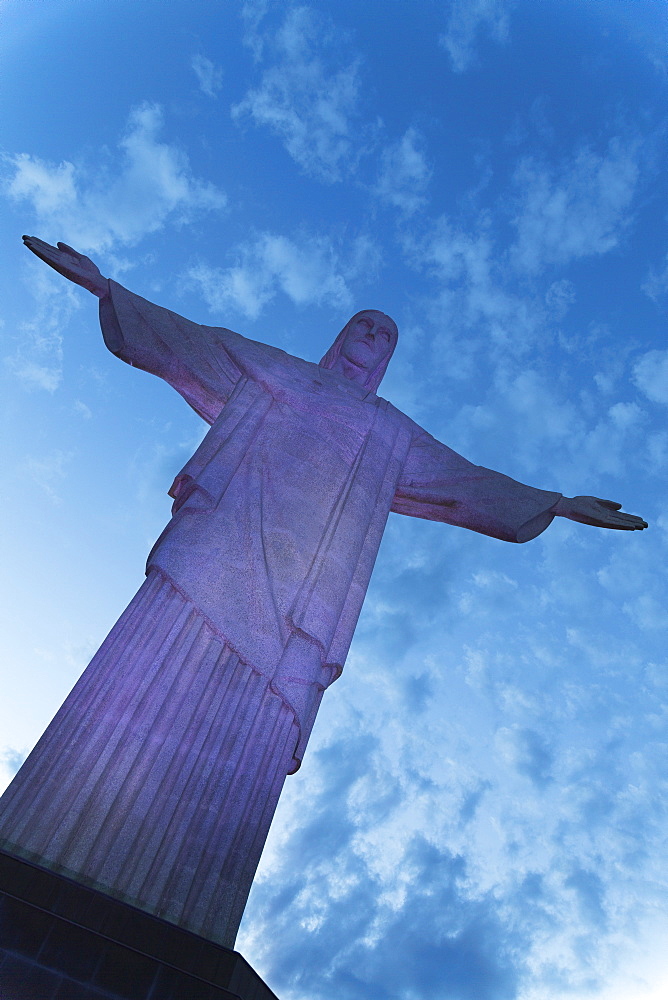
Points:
[(158, 778)]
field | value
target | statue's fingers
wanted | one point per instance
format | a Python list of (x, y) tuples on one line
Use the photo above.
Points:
[(55, 258), (631, 521), (35, 241), (44, 250), (37, 246), (44, 253), (609, 503), (630, 517), (64, 246), (618, 525)]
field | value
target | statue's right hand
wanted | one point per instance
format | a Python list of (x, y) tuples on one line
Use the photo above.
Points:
[(68, 262)]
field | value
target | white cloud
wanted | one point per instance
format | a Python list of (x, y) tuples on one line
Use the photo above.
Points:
[(312, 271), (100, 208), (454, 859), (533, 423), (625, 415), (650, 374), (51, 189), (559, 297), (547, 416), (577, 211), (647, 611), (37, 360), (656, 284), (209, 76), (307, 98), (404, 173), (468, 18), (82, 409), (657, 450), (10, 761), (477, 310)]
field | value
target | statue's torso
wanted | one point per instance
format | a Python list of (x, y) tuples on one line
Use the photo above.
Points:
[(275, 512)]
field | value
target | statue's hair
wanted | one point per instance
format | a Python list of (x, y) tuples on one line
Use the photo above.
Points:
[(374, 377)]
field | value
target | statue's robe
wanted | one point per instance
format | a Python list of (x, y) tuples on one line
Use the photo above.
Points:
[(158, 778)]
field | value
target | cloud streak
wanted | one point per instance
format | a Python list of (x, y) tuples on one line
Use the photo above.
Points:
[(209, 76), (150, 185), (579, 210), (10, 762), (311, 270), (650, 374), (37, 359), (404, 173), (468, 19), (309, 97)]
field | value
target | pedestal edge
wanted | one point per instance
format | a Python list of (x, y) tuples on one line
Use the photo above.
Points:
[(113, 922)]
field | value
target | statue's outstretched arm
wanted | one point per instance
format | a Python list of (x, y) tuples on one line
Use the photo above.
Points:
[(71, 264), (438, 484), (191, 358), (600, 513)]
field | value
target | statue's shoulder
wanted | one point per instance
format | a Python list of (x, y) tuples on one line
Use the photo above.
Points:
[(253, 349), (408, 425)]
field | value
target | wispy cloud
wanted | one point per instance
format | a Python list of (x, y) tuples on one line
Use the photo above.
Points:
[(539, 415), (48, 471), (82, 409), (578, 210), (309, 96), (404, 173), (528, 752), (374, 914), (310, 271), (474, 306), (515, 901), (656, 283), (209, 76), (10, 761), (650, 374), (559, 297), (638, 590), (99, 207), (468, 19), (37, 358)]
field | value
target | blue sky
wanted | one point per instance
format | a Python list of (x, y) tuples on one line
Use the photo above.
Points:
[(481, 812)]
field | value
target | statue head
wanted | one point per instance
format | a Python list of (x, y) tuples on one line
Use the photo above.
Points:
[(363, 349)]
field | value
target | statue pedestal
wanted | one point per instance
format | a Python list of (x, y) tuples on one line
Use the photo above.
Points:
[(60, 940)]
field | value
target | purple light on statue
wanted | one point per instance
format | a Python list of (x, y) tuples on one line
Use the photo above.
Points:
[(159, 776)]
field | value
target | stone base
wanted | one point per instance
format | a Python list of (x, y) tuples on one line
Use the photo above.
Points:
[(60, 940)]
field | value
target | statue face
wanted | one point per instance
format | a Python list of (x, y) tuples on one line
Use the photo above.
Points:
[(369, 340)]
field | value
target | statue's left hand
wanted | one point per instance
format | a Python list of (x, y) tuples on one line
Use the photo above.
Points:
[(601, 513)]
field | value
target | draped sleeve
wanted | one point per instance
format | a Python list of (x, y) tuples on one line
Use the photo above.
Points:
[(439, 485), (202, 363)]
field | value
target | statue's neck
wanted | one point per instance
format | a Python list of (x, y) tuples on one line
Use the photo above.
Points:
[(350, 370)]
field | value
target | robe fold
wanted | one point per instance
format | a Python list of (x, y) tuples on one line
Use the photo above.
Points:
[(207, 689)]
